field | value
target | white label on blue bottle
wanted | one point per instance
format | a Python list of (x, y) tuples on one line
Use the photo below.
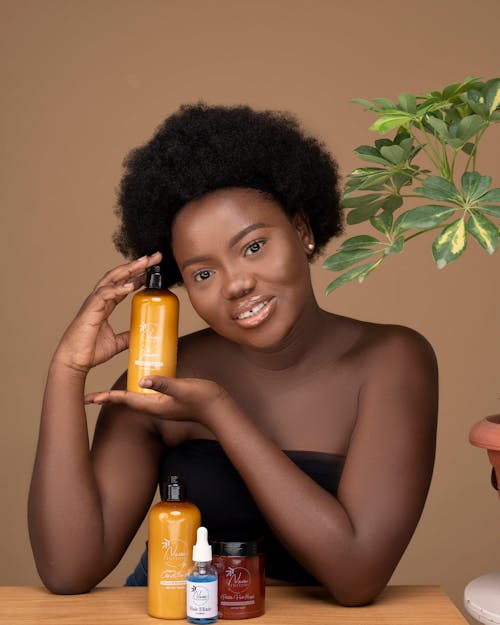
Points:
[(201, 599)]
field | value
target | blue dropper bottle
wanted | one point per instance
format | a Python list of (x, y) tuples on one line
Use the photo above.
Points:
[(201, 590)]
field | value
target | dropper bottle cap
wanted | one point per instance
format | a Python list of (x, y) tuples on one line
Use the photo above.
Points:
[(202, 551), (154, 277)]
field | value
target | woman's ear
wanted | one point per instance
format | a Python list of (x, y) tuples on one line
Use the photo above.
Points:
[(304, 231)]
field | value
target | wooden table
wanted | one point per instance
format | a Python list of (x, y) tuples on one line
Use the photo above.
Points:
[(397, 605)]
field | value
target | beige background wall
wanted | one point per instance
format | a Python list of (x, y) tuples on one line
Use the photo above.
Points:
[(84, 81)]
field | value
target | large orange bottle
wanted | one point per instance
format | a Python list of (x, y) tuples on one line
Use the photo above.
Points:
[(173, 524), (153, 332)]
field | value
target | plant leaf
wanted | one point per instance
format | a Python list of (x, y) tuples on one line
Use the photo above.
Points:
[(357, 272), (388, 122), (367, 153), (358, 215), (450, 243), (474, 185), (393, 153), (408, 102), (422, 217), (396, 247), (492, 196), (492, 94), (468, 127), (360, 241), (484, 231), (392, 203), (439, 126), (492, 210), (437, 188), (384, 103), (382, 222), (366, 103), (359, 200), (346, 258)]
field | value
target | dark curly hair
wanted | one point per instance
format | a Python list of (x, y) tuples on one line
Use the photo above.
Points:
[(202, 148)]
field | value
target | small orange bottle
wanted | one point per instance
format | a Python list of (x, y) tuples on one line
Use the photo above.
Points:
[(173, 524), (153, 332)]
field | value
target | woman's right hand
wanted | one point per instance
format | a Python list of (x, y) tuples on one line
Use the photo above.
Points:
[(90, 340)]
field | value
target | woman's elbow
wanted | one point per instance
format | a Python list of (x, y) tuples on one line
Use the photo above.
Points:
[(59, 583), (355, 595)]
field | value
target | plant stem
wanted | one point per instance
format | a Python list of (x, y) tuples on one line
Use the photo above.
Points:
[(417, 234), (436, 163)]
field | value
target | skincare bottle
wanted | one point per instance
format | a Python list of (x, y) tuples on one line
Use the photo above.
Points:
[(172, 532), (153, 332), (202, 583)]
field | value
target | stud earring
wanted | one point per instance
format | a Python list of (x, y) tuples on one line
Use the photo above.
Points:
[(310, 246)]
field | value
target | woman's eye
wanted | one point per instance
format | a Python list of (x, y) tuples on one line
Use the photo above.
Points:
[(254, 247), (204, 274)]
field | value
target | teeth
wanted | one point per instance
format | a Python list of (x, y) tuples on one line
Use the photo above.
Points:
[(252, 311)]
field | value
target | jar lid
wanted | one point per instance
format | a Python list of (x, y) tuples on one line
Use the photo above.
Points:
[(248, 547)]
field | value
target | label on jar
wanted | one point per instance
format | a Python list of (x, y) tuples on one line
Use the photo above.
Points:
[(201, 599), (241, 586)]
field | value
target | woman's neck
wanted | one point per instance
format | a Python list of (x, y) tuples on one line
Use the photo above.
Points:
[(299, 348)]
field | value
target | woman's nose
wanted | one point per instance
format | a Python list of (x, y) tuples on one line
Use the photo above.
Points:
[(238, 285)]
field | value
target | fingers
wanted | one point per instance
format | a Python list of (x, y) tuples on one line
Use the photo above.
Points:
[(149, 403), (133, 271), (157, 383), (122, 341)]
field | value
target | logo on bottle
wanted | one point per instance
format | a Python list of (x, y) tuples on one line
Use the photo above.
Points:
[(238, 579), (150, 345), (199, 595), (175, 560)]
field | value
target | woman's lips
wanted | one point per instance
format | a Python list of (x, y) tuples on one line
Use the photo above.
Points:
[(254, 313)]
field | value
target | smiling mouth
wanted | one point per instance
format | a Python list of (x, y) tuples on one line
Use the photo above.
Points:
[(255, 315), (253, 311)]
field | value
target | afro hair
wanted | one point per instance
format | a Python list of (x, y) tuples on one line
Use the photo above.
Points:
[(201, 148)]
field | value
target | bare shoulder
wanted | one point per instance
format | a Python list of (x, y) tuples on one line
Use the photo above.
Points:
[(374, 345), (199, 353), (400, 343)]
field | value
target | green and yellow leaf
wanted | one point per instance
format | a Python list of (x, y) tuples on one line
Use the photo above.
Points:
[(450, 243), (423, 217), (358, 273), (347, 257), (484, 231)]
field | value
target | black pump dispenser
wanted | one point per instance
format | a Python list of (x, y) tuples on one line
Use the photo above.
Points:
[(172, 489), (154, 278)]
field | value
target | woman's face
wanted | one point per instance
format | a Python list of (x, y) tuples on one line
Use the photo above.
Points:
[(244, 265)]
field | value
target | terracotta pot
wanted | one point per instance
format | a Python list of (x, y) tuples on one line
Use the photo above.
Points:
[(486, 434)]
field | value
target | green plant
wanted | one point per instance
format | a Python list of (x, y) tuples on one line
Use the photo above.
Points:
[(441, 130)]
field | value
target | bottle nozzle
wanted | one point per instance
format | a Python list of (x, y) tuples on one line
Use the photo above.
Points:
[(202, 551)]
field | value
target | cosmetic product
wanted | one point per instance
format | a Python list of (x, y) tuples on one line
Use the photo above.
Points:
[(202, 583), (172, 532), (240, 565), (153, 332)]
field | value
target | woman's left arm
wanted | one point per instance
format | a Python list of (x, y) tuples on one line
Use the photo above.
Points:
[(351, 543)]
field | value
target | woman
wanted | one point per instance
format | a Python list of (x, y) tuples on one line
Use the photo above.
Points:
[(317, 429)]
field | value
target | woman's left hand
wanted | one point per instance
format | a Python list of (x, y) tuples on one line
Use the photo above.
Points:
[(177, 399)]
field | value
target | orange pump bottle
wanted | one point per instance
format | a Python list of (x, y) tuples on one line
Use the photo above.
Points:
[(153, 332), (173, 524)]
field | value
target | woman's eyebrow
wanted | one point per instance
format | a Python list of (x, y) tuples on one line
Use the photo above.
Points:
[(232, 241), (237, 237)]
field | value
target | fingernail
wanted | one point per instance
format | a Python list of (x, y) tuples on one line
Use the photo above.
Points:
[(145, 383), (141, 258)]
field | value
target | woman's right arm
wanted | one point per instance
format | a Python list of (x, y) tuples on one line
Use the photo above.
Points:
[(86, 505)]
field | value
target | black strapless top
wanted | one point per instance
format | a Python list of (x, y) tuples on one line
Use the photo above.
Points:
[(227, 507)]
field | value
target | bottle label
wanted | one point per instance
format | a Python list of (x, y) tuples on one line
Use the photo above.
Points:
[(150, 345), (176, 563), (201, 599)]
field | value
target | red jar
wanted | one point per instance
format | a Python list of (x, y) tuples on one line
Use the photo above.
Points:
[(240, 566)]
